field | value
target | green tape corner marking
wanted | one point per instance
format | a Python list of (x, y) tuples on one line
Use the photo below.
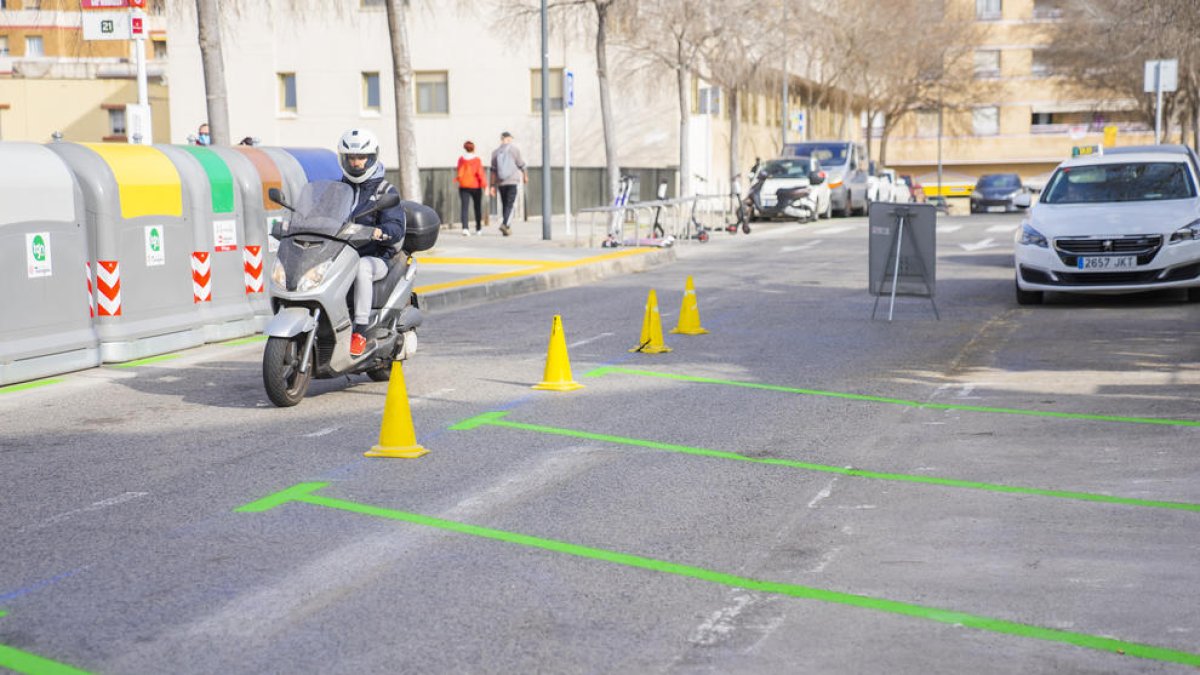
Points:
[(495, 419), (146, 361), (477, 421), (303, 492), (23, 662), (22, 386), (294, 493), (607, 370), (245, 341)]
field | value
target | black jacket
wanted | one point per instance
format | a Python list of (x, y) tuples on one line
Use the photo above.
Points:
[(391, 221)]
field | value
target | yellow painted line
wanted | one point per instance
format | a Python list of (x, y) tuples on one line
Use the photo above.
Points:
[(542, 266), (498, 262), (147, 182)]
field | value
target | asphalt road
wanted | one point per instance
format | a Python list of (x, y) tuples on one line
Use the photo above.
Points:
[(803, 489)]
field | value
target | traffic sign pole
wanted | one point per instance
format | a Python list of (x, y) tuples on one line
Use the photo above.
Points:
[(568, 103)]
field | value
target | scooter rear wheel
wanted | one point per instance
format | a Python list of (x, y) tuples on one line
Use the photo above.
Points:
[(284, 382)]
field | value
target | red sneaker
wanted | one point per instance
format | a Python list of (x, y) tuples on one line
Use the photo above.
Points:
[(358, 344)]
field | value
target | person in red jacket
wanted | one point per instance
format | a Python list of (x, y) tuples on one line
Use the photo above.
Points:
[(471, 183)]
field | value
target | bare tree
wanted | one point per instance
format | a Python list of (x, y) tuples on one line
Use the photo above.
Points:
[(406, 136), (673, 35), (208, 20)]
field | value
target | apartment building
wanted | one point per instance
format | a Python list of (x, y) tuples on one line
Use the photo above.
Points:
[(53, 80), (1021, 118)]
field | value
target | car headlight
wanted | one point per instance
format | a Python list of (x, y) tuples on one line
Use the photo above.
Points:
[(278, 274), (1031, 237), (314, 277), (1189, 232)]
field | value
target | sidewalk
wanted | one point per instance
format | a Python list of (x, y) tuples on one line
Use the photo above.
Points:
[(461, 271)]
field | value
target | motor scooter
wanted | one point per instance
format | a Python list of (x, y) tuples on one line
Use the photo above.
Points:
[(311, 283), (798, 202)]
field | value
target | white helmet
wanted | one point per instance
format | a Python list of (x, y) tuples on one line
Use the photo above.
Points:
[(358, 142)]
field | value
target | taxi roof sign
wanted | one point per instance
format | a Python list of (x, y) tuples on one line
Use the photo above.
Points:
[(1085, 150)]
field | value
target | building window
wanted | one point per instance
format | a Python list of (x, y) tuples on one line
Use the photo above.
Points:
[(160, 50), (1041, 66), (988, 10), (370, 86), (433, 93), (371, 4), (710, 100), (556, 89), (116, 121), (287, 92), (985, 121), (1047, 9), (987, 64), (33, 46), (3, 41)]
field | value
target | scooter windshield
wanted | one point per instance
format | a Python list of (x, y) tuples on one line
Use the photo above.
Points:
[(324, 206)]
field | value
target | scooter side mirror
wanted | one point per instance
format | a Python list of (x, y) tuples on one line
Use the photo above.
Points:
[(276, 196)]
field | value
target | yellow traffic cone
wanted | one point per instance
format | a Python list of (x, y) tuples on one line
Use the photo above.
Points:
[(558, 365), (651, 340), (689, 313), (396, 435)]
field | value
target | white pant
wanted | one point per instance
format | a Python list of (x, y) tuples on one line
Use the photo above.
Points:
[(370, 270)]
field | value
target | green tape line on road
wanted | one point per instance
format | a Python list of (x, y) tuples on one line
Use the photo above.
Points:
[(497, 419), (145, 361), (23, 662), (605, 370), (304, 493), (245, 341), (29, 385)]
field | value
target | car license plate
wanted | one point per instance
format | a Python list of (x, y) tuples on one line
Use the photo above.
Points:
[(996, 209), (1112, 262)]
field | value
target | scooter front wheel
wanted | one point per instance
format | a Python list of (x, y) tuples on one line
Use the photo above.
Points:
[(284, 382)]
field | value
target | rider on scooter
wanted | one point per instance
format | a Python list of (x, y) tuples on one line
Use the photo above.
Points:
[(358, 154)]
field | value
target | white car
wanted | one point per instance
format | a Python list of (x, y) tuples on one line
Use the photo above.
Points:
[(1120, 222)]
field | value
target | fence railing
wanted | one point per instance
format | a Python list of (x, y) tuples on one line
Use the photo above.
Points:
[(681, 219)]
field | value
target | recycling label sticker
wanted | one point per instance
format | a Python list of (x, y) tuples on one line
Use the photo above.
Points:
[(37, 254), (225, 235), (272, 242), (155, 254)]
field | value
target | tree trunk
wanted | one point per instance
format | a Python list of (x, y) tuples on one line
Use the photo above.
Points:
[(208, 20), (606, 111), (406, 137), (735, 128), (685, 134)]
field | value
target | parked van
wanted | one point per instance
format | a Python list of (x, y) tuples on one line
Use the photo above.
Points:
[(843, 162)]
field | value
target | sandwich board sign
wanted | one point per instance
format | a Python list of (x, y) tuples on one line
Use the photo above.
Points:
[(106, 26), (903, 252)]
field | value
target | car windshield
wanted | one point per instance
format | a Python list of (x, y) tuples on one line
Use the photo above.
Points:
[(1131, 182), (787, 168), (324, 206), (826, 153), (999, 182)]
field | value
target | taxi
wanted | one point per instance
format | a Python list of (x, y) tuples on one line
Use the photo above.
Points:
[(1113, 222)]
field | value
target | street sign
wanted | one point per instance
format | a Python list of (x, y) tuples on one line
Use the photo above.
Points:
[(1110, 136), (104, 4), (106, 26), (799, 122), (902, 252), (137, 24), (1164, 72), (569, 89)]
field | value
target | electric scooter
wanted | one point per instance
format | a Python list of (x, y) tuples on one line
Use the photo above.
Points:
[(315, 269)]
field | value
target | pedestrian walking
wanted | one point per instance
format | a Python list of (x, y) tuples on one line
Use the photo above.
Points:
[(508, 172), (471, 182), (202, 137)]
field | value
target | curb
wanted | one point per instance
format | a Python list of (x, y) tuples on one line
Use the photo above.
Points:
[(466, 296)]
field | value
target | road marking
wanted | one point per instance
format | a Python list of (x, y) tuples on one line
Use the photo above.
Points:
[(303, 492), (836, 229), (979, 245), (322, 432), (801, 247), (947, 229), (29, 385), (591, 339), (496, 419), (245, 341), (146, 361), (1001, 228), (605, 370), (24, 662), (541, 266), (823, 494), (102, 504)]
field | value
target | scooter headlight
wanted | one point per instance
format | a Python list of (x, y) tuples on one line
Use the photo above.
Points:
[(1189, 232), (279, 275), (314, 277)]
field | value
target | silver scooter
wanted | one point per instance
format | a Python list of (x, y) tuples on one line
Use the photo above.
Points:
[(315, 268)]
